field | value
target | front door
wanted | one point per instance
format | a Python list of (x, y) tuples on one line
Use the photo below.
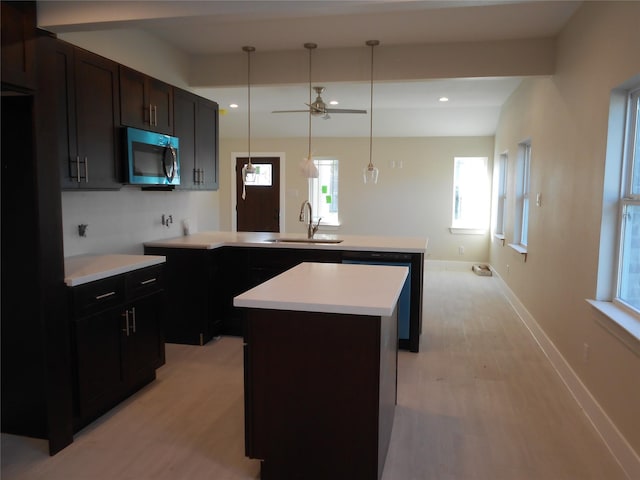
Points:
[(259, 211)]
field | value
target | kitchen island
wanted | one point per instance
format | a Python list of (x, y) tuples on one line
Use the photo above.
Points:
[(317, 405), (206, 270)]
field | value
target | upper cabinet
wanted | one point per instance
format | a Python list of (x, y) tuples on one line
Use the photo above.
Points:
[(196, 126), (18, 44), (145, 102), (87, 118)]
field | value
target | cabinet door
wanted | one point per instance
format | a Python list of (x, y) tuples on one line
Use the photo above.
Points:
[(97, 112), (193, 310), (145, 102), (196, 125), (64, 114), (100, 379), (143, 338), (161, 100), (18, 44), (185, 105), (207, 144)]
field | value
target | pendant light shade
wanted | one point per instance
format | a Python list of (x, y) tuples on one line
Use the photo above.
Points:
[(248, 170), (370, 173), (307, 167)]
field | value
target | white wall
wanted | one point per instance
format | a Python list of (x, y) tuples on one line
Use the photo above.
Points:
[(415, 200), (565, 117), (119, 221)]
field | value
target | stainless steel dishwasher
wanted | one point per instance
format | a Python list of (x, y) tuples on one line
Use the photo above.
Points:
[(390, 258)]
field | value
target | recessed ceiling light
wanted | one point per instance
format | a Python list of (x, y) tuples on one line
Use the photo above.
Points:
[(333, 102), (443, 99), (233, 105)]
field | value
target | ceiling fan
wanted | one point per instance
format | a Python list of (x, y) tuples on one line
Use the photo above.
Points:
[(318, 108)]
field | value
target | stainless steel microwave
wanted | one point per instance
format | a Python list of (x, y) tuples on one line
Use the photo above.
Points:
[(151, 158)]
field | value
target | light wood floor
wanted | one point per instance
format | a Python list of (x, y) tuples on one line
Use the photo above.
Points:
[(479, 402)]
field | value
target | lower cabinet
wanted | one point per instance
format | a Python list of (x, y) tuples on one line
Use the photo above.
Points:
[(193, 312), (117, 339)]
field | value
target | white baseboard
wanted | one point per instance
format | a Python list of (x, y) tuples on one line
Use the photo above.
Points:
[(449, 265), (614, 440)]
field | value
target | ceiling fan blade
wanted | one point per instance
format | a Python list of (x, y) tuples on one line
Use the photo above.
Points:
[(343, 110), (290, 111)]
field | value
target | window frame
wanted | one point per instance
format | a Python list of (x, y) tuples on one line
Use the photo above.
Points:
[(501, 202), (622, 321), (629, 193), (521, 223)]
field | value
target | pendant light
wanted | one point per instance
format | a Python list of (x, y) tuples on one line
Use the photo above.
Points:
[(370, 173), (308, 168), (248, 170)]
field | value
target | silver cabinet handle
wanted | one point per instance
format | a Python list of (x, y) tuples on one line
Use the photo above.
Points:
[(133, 315), (146, 282), (126, 316), (86, 170), (78, 168), (105, 295), (202, 175), (150, 114), (155, 115)]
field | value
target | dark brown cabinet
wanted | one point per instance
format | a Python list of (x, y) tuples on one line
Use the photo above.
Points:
[(193, 285), (145, 102), (18, 44), (117, 339), (86, 117), (196, 125), (318, 404)]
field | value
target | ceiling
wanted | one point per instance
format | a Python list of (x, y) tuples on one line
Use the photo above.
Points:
[(408, 108)]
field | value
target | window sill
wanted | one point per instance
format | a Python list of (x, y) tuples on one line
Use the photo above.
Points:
[(467, 231), (621, 323), (499, 237), (521, 249), (329, 227)]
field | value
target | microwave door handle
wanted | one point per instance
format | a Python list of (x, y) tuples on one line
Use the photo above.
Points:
[(170, 173)]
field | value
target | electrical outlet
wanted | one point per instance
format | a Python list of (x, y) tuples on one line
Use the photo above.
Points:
[(586, 350), (460, 250)]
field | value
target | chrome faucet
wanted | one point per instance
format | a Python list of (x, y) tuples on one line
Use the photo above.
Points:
[(311, 229)]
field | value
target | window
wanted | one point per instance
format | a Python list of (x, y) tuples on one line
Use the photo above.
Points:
[(618, 288), (470, 193), (262, 177), (521, 225), (502, 195), (628, 278), (323, 192)]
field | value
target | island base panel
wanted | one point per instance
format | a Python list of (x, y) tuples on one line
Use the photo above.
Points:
[(320, 392)]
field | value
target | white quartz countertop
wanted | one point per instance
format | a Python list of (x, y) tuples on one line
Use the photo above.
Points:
[(87, 268), (211, 240), (330, 288)]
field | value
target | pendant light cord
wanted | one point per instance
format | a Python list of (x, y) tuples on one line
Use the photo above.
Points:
[(371, 43), (249, 50), (310, 47)]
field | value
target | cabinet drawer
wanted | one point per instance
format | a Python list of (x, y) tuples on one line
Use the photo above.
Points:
[(96, 296), (144, 281)]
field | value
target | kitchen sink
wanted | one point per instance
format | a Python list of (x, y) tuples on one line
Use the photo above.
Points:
[(304, 240)]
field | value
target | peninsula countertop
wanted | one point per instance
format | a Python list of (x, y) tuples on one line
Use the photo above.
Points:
[(212, 240), (82, 269), (330, 288)]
